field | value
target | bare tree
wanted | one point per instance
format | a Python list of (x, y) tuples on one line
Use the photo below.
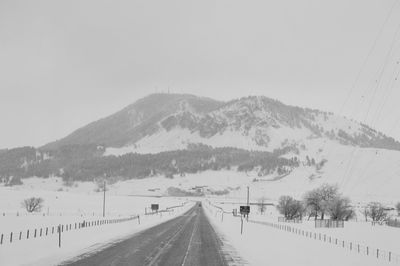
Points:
[(366, 213), (327, 193), (376, 211), (340, 209), (318, 200), (261, 205), (312, 203), (33, 204), (290, 208)]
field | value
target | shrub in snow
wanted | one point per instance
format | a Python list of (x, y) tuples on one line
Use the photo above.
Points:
[(33, 204), (13, 181), (290, 208), (340, 209), (376, 211)]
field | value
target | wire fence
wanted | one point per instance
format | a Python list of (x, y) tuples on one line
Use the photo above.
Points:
[(351, 246), (13, 236), (64, 213), (9, 238)]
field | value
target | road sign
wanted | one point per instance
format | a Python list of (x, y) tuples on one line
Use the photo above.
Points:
[(154, 207), (244, 210)]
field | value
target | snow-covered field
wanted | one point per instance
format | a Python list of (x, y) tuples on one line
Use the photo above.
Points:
[(68, 206), (76, 205), (45, 251), (357, 231), (363, 174), (265, 245)]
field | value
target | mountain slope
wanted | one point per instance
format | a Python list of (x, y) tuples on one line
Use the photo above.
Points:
[(273, 147), (135, 121), (254, 123)]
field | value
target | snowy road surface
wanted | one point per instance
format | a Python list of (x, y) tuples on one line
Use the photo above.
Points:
[(186, 240)]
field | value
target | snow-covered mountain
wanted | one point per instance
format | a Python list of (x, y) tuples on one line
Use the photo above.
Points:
[(252, 141), (135, 121), (163, 122)]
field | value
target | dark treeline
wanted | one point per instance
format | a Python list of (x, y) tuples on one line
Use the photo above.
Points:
[(87, 163)]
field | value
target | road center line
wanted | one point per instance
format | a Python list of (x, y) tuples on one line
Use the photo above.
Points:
[(166, 245), (190, 241)]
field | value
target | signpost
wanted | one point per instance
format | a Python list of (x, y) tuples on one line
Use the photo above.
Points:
[(155, 207), (241, 225), (245, 210)]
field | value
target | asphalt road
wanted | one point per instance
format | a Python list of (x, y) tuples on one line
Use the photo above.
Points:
[(186, 240)]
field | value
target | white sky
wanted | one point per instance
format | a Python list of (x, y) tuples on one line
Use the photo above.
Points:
[(64, 64)]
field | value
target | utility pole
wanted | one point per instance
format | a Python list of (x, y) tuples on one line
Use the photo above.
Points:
[(248, 201), (241, 224), (248, 192), (104, 199)]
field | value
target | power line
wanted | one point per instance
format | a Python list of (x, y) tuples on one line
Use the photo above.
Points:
[(350, 161)]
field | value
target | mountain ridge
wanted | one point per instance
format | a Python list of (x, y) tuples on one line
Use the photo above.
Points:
[(254, 116), (119, 128), (263, 142)]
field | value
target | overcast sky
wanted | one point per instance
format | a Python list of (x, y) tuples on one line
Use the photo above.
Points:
[(64, 64)]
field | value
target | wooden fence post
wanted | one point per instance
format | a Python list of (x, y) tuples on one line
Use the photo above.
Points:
[(11, 237), (20, 235), (59, 236), (1, 239)]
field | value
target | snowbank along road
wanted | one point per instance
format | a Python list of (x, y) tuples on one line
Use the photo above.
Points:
[(186, 240)]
